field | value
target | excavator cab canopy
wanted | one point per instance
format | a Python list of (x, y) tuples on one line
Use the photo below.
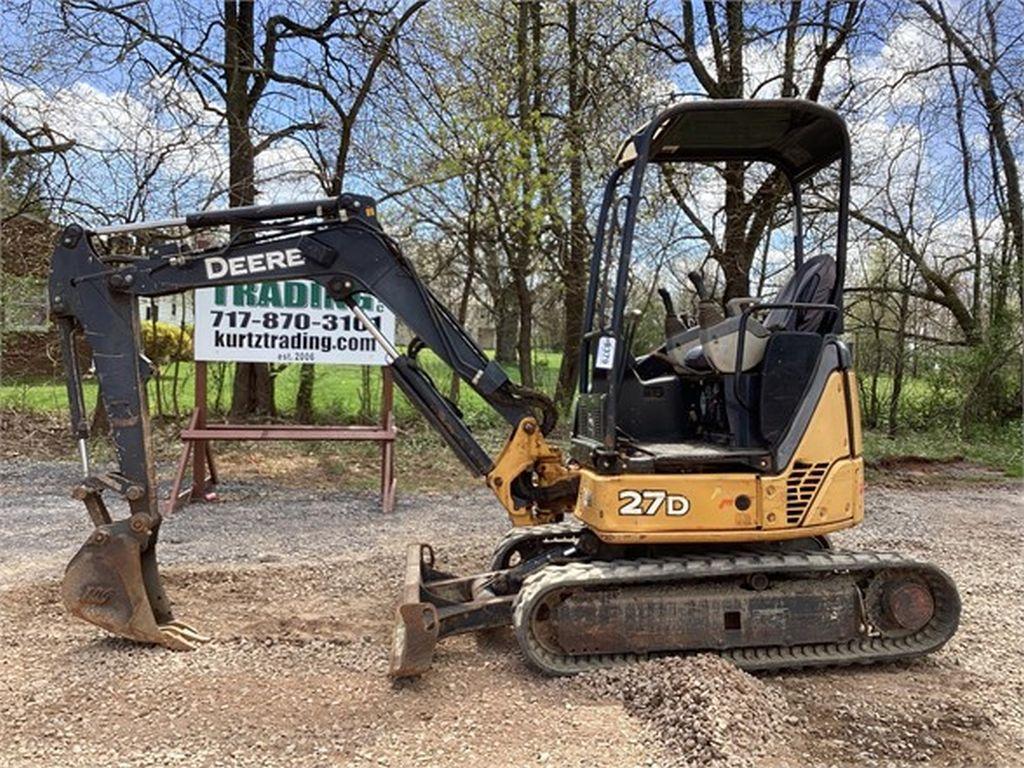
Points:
[(799, 138)]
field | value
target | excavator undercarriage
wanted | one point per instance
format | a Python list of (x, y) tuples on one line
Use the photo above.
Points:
[(762, 608), (693, 509)]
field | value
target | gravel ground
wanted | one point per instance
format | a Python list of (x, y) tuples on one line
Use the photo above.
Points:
[(720, 714), (298, 586)]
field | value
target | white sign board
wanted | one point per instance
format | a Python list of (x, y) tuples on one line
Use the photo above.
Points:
[(292, 321)]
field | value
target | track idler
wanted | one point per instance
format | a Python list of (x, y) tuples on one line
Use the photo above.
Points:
[(113, 582)]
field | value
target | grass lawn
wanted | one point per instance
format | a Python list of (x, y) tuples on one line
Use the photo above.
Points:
[(1000, 448), (340, 392), (338, 396)]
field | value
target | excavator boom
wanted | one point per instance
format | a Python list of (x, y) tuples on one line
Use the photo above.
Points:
[(113, 581)]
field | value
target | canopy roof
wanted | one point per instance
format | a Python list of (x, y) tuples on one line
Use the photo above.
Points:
[(801, 137)]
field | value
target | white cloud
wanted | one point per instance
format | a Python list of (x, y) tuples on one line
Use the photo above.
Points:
[(153, 151), (285, 172)]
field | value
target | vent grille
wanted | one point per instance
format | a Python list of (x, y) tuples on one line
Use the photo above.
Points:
[(590, 415), (802, 484)]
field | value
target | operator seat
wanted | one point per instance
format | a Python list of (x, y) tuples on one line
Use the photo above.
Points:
[(811, 283)]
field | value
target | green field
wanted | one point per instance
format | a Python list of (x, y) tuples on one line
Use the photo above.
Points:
[(340, 397), (339, 394)]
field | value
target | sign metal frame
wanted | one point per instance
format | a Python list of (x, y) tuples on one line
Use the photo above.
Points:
[(200, 433)]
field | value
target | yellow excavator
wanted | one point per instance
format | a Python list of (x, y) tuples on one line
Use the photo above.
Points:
[(692, 510)]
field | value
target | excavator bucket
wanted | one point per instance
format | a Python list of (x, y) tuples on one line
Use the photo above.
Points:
[(113, 582)]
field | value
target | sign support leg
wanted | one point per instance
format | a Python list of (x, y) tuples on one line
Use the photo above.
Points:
[(388, 482)]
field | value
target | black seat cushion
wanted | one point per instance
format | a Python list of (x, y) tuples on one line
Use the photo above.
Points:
[(695, 360), (812, 283)]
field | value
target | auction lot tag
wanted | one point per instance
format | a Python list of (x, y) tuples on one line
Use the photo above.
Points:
[(605, 353), (291, 321)]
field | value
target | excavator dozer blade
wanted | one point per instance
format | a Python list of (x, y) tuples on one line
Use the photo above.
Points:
[(416, 621), (436, 604), (113, 582)]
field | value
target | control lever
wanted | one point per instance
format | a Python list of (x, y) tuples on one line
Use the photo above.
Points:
[(673, 324), (709, 312)]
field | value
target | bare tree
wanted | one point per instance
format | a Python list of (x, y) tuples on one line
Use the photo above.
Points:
[(333, 69), (231, 84)]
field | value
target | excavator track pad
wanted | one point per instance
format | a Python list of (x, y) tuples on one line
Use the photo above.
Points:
[(761, 611)]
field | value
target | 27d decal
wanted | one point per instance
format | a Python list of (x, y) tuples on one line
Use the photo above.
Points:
[(652, 502)]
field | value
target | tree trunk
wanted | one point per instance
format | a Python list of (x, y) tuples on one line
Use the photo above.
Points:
[(521, 257), (506, 324), (994, 105), (873, 405), (253, 388), (524, 344), (899, 364), (304, 394), (733, 260), (467, 288), (574, 268), (365, 394)]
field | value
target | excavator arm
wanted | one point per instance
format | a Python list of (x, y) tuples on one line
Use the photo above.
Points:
[(113, 581)]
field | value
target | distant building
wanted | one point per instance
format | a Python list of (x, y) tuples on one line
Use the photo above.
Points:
[(169, 309), (28, 342)]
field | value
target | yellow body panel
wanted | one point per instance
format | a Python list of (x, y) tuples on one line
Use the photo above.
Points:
[(821, 491)]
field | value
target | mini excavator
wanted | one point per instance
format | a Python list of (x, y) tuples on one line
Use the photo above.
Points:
[(692, 510)]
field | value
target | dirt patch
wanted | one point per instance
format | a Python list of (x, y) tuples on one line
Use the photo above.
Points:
[(921, 470), (30, 434), (294, 676), (426, 462), (923, 712)]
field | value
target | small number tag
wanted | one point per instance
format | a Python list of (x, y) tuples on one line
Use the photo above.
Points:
[(651, 502), (605, 353)]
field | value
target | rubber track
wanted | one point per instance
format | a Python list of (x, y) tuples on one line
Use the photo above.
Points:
[(862, 650), (553, 531)]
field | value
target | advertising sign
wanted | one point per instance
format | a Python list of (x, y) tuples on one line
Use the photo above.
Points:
[(292, 321)]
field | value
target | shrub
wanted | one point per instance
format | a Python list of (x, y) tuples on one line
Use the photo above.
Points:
[(165, 343)]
